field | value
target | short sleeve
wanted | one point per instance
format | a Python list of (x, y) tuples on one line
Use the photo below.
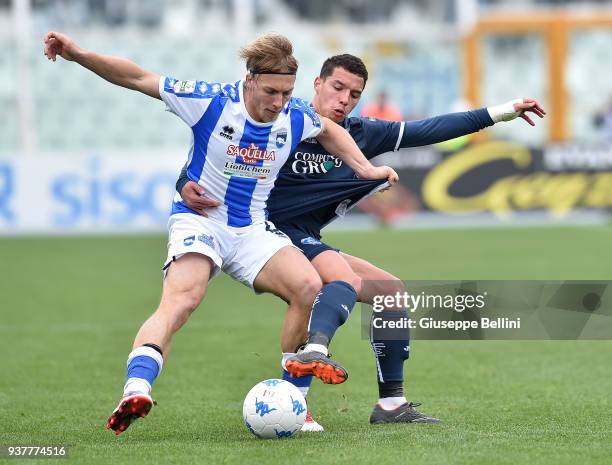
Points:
[(312, 123), (312, 126), (187, 99)]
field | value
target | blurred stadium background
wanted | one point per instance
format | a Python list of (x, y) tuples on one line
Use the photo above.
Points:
[(87, 156), (78, 155)]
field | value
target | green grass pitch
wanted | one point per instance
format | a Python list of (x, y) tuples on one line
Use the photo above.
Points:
[(70, 308)]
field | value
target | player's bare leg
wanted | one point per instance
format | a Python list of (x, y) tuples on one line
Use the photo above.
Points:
[(334, 266), (183, 289), (291, 277), (378, 281)]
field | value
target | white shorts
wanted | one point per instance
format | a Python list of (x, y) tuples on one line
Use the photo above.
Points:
[(239, 252)]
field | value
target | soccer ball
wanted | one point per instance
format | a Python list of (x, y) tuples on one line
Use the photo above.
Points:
[(274, 408)]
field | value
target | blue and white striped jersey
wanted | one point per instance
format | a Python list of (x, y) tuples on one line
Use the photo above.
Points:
[(235, 158)]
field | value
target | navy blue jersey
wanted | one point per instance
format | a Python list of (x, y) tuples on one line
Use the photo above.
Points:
[(314, 187)]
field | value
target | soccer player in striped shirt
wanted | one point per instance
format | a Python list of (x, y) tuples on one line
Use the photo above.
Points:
[(242, 134)]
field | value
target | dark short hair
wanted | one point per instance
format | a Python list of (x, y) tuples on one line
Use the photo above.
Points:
[(351, 63)]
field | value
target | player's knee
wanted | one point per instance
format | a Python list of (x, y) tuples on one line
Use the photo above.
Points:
[(191, 300), (185, 302), (373, 288), (391, 286), (353, 280), (356, 282), (308, 290)]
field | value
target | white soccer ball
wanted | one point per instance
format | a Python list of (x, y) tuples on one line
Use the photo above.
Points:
[(274, 408)]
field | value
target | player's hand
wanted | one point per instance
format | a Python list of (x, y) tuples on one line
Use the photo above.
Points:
[(195, 198), (517, 109), (382, 172), (60, 44), (529, 105)]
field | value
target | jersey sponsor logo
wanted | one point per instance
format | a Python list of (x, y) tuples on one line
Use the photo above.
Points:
[(208, 240), (184, 87), (310, 241), (227, 132), (251, 154), (189, 241), (232, 168), (281, 139), (314, 163)]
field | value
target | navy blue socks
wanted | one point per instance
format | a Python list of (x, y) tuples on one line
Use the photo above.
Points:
[(330, 310)]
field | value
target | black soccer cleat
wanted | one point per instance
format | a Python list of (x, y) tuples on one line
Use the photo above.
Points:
[(317, 364), (405, 413)]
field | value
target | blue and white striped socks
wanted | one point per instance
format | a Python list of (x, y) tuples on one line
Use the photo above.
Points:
[(143, 365)]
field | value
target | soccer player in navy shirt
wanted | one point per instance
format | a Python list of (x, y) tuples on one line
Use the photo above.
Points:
[(314, 187)]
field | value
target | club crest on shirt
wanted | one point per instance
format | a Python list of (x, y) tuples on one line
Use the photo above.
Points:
[(281, 139)]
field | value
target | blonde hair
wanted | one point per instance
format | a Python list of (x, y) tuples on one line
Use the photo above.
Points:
[(270, 53)]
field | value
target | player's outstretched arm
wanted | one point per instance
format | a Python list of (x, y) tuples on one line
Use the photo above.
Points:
[(383, 135), (339, 143), (119, 71)]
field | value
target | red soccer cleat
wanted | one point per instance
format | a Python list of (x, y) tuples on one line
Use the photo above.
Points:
[(311, 425), (317, 364), (130, 408)]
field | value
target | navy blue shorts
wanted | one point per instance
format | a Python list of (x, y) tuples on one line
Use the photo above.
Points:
[(308, 244)]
